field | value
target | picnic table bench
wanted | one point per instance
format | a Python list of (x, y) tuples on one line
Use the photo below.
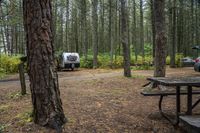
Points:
[(175, 84)]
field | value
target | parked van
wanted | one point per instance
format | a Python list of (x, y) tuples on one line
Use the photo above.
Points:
[(68, 61)]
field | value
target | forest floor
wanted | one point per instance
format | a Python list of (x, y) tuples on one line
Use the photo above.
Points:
[(94, 101)]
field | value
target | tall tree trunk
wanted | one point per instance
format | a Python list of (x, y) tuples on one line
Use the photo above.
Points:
[(101, 40), (6, 30), (61, 37), (66, 47), (3, 40), (153, 25), (192, 24), (111, 32), (134, 35), (47, 105), (124, 39), (160, 48), (76, 33), (141, 30), (55, 3), (173, 36), (180, 31), (95, 31), (84, 27), (196, 22)]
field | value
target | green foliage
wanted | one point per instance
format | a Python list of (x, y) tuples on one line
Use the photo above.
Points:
[(86, 63), (2, 74), (139, 64), (25, 117), (15, 95), (178, 58), (9, 64), (4, 108), (103, 61), (140, 61), (2, 128), (118, 62), (148, 48)]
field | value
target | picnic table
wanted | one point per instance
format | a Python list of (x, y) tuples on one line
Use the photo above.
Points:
[(177, 83)]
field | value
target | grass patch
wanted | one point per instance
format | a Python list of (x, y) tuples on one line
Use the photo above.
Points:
[(138, 77), (2, 127), (4, 108), (142, 67), (2, 75), (25, 117), (15, 95)]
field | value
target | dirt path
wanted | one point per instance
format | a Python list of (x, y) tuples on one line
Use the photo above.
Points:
[(85, 74), (94, 101)]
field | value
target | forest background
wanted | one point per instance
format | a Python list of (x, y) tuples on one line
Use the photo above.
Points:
[(93, 29)]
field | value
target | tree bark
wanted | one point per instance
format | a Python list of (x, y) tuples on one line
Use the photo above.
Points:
[(153, 25), (134, 35), (22, 78), (173, 36), (111, 32), (47, 105), (141, 30), (95, 31), (102, 29), (124, 39), (66, 47), (160, 48), (84, 27)]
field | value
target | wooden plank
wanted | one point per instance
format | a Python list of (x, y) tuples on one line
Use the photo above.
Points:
[(191, 123), (165, 93), (176, 81)]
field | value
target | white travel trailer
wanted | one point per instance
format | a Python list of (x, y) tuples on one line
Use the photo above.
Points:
[(69, 61)]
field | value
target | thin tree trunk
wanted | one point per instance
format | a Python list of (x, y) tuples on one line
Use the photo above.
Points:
[(160, 48), (47, 105), (84, 27), (55, 23), (124, 39), (153, 26), (95, 31), (180, 28), (101, 40), (61, 37), (173, 34), (110, 32), (66, 47), (3, 40), (141, 30), (134, 35)]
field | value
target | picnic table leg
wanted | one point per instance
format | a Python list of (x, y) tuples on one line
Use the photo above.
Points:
[(175, 123), (178, 104), (189, 100), (160, 103)]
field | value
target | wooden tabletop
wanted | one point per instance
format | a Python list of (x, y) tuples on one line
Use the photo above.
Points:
[(176, 81)]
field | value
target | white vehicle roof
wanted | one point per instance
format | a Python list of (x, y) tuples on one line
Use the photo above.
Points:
[(67, 53)]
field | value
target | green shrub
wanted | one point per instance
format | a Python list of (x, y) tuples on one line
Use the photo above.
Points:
[(2, 128), (147, 60), (140, 64), (118, 62), (9, 64), (178, 58), (86, 63)]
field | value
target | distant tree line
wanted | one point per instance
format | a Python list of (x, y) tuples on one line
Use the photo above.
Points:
[(90, 27)]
